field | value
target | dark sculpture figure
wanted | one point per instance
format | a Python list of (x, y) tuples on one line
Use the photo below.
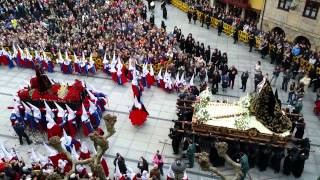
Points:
[(43, 81), (267, 109)]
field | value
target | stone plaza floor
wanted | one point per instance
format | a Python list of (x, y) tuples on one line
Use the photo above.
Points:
[(132, 142)]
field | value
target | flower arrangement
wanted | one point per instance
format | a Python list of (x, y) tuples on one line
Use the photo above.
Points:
[(241, 122), (63, 91)]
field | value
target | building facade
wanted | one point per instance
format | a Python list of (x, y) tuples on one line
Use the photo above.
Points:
[(298, 19)]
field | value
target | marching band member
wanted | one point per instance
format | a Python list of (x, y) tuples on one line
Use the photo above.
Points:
[(28, 116), (106, 64), (53, 129), (167, 81), (177, 82), (91, 65), (36, 116), (47, 63), (85, 122), (67, 142), (121, 77), (83, 65), (67, 66), (6, 59), (37, 58), (15, 54), (150, 76), (160, 82), (137, 88), (138, 113), (60, 114), (28, 59), (144, 75), (76, 64), (20, 58), (94, 115), (72, 124), (48, 110), (60, 61), (84, 152)]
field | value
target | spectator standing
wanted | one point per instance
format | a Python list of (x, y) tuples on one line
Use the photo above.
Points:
[(164, 12), (275, 75), (119, 160), (232, 75), (258, 77), (158, 160), (286, 79), (155, 173), (202, 19), (235, 36), (189, 14), (143, 165), (220, 27), (225, 82), (216, 79), (244, 79), (252, 41), (291, 93), (195, 16), (208, 21)]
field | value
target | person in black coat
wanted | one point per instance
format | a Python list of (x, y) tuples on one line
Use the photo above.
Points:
[(194, 16), (121, 163), (144, 13), (264, 156), (207, 54), (252, 41), (298, 164), (152, 20), (288, 161), (235, 36), (164, 12), (208, 21), (176, 140), (276, 159), (216, 79), (143, 165), (300, 126), (202, 19), (189, 14), (149, 4), (182, 43), (163, 25), (244, 79), (252, 154), (220, 27)]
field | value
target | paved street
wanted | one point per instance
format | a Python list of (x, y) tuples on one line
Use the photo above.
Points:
[(133, 142)]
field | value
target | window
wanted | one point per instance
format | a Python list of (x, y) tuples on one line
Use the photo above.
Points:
[(284, 4), (311, 9)]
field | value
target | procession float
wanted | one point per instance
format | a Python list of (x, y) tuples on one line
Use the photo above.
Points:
[(45, 105), (254, 118)]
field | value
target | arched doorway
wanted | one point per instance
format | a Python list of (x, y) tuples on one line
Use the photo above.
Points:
[(302, 40), (279, 31)]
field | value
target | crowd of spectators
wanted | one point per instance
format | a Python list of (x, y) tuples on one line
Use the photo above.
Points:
[(274, 43)]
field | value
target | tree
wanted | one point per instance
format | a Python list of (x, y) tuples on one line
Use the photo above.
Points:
[(100, 143)]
